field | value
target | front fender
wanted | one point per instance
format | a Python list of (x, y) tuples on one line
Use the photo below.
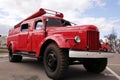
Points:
[(58, 39)]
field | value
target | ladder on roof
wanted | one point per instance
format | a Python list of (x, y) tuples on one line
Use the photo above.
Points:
[(41, 12)]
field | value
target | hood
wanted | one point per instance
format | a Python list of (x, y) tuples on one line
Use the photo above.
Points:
[(73, 28), (87, 34)]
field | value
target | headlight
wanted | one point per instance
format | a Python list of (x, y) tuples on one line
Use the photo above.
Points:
[(77, 39)]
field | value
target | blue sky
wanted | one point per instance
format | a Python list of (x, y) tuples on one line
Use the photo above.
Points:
[(110, 11), (105, 14)]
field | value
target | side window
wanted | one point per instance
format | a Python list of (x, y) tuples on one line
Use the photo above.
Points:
[(24, 27), (39, 24)]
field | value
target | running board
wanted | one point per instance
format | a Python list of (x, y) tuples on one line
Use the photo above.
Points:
[(28, 54)]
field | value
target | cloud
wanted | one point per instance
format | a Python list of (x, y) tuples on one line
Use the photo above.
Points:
[(118, 2), (100, 3), (24, 8), (17, 10), (71, 9), (4, 29), (104, 25), (13, 11)]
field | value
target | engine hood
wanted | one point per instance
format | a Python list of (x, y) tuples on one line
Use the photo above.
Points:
[(84, 27), (73, 28), (69, 33)]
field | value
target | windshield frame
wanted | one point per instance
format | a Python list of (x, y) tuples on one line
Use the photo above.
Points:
[(60, 19)]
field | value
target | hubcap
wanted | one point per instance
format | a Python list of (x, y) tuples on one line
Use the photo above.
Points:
[(51, 61)]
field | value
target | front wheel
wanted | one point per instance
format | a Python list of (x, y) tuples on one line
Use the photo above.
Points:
[(95, 65), (55, 61)]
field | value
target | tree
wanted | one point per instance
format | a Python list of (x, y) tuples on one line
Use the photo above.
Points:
[(112, 40)]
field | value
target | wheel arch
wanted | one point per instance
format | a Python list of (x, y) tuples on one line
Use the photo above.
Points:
[(44, 46), (13, 46), (58, 40)]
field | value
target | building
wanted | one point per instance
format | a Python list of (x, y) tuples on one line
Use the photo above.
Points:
[(3, 40)]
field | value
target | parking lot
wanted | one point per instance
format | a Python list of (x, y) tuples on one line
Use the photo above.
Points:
[(30, 69)]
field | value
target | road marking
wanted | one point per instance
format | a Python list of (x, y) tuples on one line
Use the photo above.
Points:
[(115, 74), (114, 64), (108, 74), (4, 61)]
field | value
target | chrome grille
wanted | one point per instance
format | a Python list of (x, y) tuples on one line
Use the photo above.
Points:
[(93, 40)]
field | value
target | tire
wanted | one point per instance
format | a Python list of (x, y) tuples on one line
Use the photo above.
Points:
[(95, 65), (14, 58), (40, 59), (55, 61)]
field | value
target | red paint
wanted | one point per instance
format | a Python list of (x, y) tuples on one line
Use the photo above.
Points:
[(32, 40), (105, 47)]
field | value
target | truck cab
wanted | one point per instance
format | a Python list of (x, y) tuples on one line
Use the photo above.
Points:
[(57, 42)]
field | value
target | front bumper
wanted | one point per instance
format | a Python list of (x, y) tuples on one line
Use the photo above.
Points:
[(86, 54)]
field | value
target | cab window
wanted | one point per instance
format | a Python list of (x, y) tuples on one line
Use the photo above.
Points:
[(39, 24), (24, 27)]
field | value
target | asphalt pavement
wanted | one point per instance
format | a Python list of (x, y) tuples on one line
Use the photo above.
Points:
[(30, 69)]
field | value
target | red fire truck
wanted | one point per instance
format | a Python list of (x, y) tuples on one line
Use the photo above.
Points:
[(105, 47), (46, 35)]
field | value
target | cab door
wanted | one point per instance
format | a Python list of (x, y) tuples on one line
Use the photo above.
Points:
[(38, 34), (23, 37)]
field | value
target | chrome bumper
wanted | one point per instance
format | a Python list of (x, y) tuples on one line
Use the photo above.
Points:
[(86, 54)]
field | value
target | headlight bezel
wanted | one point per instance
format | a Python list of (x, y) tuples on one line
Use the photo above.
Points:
[(77, 39)]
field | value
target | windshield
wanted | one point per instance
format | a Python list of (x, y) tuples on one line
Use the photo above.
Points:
[(52, 22), (65, 23), (57, 22)]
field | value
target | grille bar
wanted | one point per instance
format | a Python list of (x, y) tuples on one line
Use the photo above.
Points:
[(93, 40)]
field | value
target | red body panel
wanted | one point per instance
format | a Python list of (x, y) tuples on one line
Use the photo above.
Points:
[(64, 36), (105, 47)]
